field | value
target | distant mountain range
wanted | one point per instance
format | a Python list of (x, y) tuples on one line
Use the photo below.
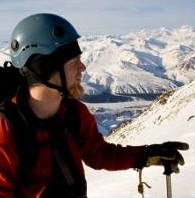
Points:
[(145, 62)]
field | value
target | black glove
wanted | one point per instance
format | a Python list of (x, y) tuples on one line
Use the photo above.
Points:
[(165, 154)]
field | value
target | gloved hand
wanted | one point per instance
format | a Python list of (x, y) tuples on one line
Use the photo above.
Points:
[(165, 154)]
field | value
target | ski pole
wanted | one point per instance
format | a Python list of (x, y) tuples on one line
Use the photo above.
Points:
[(168, 186), (168, 172)]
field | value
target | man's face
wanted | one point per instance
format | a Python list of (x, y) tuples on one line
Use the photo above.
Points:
[(73, 71)]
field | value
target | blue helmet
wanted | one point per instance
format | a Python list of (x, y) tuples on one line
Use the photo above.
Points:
[(39, 34)]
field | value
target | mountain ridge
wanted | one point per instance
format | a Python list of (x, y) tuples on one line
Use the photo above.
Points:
[(144, 62), (123, 64)]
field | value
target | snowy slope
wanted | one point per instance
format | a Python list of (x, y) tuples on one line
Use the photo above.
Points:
[(173, 107), (170, 118)]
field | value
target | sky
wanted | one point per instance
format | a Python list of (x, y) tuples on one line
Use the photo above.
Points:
[(103, 16)]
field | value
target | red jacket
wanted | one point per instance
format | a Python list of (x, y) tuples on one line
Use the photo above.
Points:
[(94, 151)]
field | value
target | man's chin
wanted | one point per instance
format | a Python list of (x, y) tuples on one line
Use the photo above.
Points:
[(76, 91)]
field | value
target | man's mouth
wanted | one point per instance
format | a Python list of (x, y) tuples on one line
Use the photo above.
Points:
[(78, 78)]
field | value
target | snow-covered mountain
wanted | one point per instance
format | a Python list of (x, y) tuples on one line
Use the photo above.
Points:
[(170, 118), (149, 61), (143, 62)]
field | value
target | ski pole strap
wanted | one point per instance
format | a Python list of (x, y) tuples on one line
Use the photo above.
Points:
[(141, 184)]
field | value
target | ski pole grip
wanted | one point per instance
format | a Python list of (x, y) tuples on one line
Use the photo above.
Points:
[(167, 169)]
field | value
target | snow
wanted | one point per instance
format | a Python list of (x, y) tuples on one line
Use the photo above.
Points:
[(172, 121)]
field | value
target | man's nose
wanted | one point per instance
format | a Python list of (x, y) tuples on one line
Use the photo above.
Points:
[(82, 66)]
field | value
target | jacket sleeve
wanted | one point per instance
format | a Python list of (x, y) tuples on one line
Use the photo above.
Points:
[(8, 161), (99, 154)]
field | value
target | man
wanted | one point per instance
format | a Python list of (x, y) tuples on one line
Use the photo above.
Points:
[(44, 48)]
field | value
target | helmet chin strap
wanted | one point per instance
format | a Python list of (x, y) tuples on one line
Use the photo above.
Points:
[(65, 91), (62, 89)]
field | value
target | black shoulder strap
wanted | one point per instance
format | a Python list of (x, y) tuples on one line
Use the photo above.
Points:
[(25, 140), (64, 163)]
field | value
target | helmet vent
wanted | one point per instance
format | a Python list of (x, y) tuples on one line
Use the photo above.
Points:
[(29, 46), (58, 31)]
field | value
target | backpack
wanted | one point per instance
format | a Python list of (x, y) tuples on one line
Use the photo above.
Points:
[(10, 79)]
